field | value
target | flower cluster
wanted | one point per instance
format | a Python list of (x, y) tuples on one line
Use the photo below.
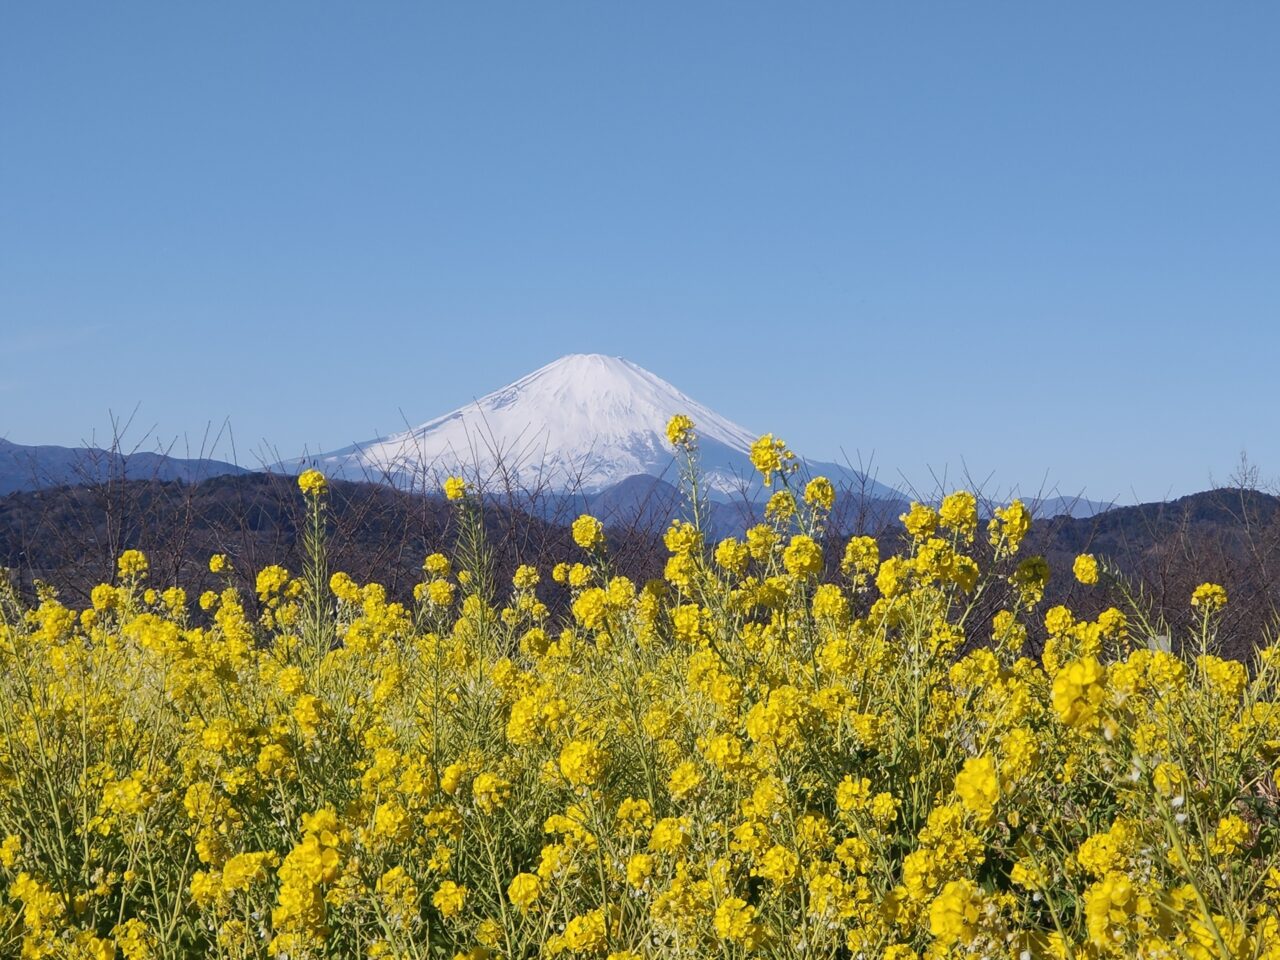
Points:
[(784, 747)]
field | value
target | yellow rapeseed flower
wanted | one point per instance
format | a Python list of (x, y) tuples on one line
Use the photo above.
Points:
[(1209, 596), (449, 898), (802, 557), (955, 913), (680, 431), (1078, 691), (820, 494), (769, 455), (735, 920), (920, 521), (524, 890), (132, 565), (959, 513), (312, 483), (582, 763), (588, 532), (1085, 569), (978, 787)]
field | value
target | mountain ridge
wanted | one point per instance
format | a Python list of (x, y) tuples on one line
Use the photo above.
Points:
[(582, 423), (584, 428), (36, 466)]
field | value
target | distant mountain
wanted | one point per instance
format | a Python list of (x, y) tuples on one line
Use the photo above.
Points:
[(586, 431), (650, 503), (1230, 517), (25, 467), (1058, 506), (584, 424), (646, 502)]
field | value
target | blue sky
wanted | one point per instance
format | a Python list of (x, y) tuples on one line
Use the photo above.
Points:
[(1030, 240)]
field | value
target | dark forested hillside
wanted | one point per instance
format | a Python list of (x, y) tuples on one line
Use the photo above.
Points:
[(70, 536)]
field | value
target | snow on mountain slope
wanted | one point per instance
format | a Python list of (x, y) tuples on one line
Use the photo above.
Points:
[(584, 422)]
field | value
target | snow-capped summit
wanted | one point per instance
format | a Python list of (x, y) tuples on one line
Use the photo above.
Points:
[(582, 423)]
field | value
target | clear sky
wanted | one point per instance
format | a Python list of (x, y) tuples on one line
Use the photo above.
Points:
[(1030, 239)]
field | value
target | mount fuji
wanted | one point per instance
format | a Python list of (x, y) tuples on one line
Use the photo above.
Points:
[(582, 424)]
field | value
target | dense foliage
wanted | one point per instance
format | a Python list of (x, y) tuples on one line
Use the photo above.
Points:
[(741, 758)]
